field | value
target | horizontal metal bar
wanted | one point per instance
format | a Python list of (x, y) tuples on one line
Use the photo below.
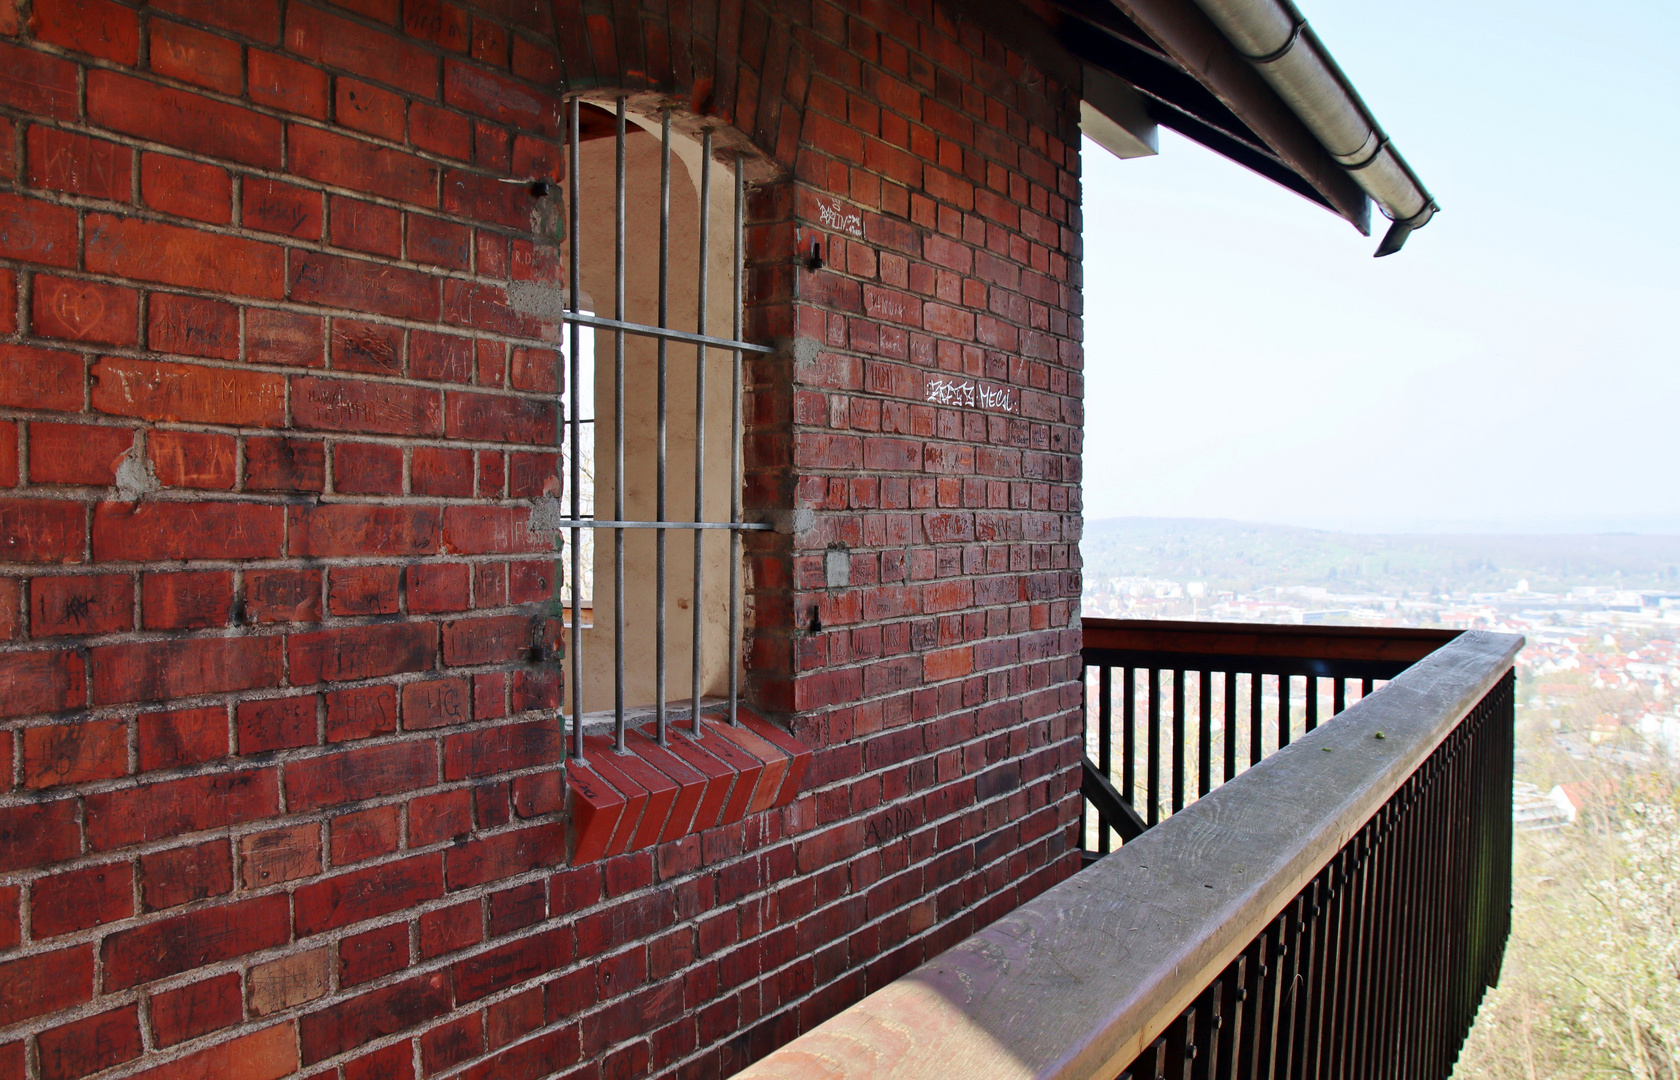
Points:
[(591, 523), (583, 319)]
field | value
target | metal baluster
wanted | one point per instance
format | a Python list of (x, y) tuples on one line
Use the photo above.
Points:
[(1204, 754), (1178, 739), (1364, 688), (576, 392), (1312, 702), (1283, 711), (660, 438), (1154, 734), (1230, 724), (735, 453), (618, 443), (1256, 732), (1338, 691), (699, 578), (1105, 740), (1128, 733)]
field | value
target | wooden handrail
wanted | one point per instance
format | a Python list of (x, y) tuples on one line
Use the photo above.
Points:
[(1074, 984), (1371, 643)]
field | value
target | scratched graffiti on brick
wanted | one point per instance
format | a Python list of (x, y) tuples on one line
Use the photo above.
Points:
[(835, 216), (971, 395)]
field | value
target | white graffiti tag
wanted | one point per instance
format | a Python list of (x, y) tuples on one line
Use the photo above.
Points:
[(970, 394), (837, 217)]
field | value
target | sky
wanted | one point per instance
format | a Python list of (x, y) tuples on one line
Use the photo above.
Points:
[(1513, 369)]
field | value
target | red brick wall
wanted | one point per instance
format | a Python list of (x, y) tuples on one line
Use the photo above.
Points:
[(277, 783)]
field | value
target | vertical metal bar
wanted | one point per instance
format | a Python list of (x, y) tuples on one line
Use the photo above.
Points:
[(1230, 724), (1154, 735), (1365, 688), (618, 441), (576, 478), (1312, 702), (1178, 739), (1338, 691), (660, 438), (1256, 730), (735, 450), (1128, 734), (1105, 739), (1204, 752), (701, 296), (1283, 711)]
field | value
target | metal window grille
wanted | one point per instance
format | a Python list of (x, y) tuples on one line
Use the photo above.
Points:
[(583, 501)]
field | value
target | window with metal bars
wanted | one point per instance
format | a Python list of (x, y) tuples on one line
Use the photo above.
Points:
[(652, 435)]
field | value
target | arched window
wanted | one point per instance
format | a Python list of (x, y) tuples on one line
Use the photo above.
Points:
[(652, 437)]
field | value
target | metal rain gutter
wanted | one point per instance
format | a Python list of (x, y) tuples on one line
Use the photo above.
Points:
[(1274, 37)]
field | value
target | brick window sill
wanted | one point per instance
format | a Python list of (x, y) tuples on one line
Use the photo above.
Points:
[(652, 794)]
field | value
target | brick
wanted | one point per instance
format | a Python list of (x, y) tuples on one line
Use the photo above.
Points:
[(41, 681), (516, 908), (156, 531), (487, 199), (486, 973), (440, 358), (196, 1009), (358, 895), (720, 778), (255, 19), (439, 243), (500, 418), (448, 1045), (8, 461), (444, 816), (176, 807), (362, 166), (90, 1045), (350, 530), (496, 97), (192, 326), (287, 982), (286, 465), (362, 107), (360, 774), (169, 740), (280, 82), (159, 670), (45, 983), (367, 227), (361, 712), (369, 469), (265, 1055), (495, 750), (74, 753), (84, 311), (360, 285), (33, 82), (273, 206), (96, 27), (193, 459), (339, 43), (375, 408), (40, 530), (451, 928), (361, 652), (282, 595), (40, 378), (170, 946), (182, 119), (188, 393), (494, 640), (101, 604), (280, 855), (386, 1011), (364, 957), (798, 754), (185, 874), (691, 784), (275, 724), (65, 903), (749, 771), (504, 855), (363, 590), (186, 601), (437, 587), (197, 57), (364, 834), (433, 703), (440, 23), (189, 189), (77, 454), (394, 1062), (486, 530), (173, 255), (78, 164), (635, 801)]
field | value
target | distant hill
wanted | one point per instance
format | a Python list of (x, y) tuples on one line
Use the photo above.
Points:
[(1244, 556)]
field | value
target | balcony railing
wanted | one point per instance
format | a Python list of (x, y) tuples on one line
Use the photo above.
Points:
[(1336, 910), (1212, 699)]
